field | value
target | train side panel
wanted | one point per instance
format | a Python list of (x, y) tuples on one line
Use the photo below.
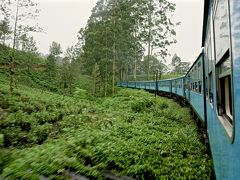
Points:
[(223, 86), (180, 87), (164, 86), (194, 94)]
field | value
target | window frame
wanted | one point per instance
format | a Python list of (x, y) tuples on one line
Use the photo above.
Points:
[(210, 46), (218, 61)]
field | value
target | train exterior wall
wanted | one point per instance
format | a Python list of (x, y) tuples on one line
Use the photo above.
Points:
[(225, 149), (196, 98)]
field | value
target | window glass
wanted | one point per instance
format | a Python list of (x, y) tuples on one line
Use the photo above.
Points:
[(209, 55), (221, 24), (225, 66)]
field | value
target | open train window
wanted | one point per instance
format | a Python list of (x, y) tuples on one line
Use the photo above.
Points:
[(223, 66), (209, 78), (224, 88), (210, 85), (200, 87)]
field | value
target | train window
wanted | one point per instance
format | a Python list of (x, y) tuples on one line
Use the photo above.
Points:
[(224, 89), (210, 85), (200, 87), (196, 87), (199, 71), (209, 62), (223, 66), (221, 29)]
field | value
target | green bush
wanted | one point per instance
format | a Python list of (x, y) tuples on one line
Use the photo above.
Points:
[(130, 134), (81, 94), (1, 140), (142, 104)]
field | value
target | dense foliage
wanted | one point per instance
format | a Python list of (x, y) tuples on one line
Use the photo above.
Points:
[(44, 73), (54, 128), (131, 134)]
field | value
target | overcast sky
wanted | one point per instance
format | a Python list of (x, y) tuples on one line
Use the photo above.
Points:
[(62, 19)]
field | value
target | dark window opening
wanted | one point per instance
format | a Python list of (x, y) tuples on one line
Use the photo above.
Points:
[(210, 85), (224, 89), (196, 87), (200, 87), (206, 86)]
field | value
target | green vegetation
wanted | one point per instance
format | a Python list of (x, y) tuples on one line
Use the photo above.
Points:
[(45, 76), (52, 126), (130, 134)]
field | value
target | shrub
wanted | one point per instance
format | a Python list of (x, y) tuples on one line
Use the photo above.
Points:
[(142, 104), (81, 94)]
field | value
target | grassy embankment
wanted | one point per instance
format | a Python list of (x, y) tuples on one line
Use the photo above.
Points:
[(131, 134)]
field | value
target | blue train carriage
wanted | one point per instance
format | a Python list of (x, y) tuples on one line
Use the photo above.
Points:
[(178, 86), (165, 85), (194, 91), (221, 42)]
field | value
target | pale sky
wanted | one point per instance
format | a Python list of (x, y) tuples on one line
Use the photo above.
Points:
[(62, 19)]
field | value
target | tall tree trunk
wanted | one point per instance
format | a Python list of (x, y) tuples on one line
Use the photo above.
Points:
[(135, 70), (106, 83), (121, 73), (135, 59), (149, 38), (106, 70), (11, 69), (15, 26), (113, 67), (127, 71), (12, 72), (114, 63)]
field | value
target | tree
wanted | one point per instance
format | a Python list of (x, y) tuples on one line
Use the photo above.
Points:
[(96, 79), (117, 33), (3, 6), (51, 67), (184, 67), (156, 27), (178, 65), (18, 12), (176, 61), (55, 49), (28, 44), (154, 65), (4, 30)]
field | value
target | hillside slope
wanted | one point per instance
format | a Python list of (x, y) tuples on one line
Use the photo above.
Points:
[(43, 134)]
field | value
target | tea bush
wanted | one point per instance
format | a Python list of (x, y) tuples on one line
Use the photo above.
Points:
[(130, 134)]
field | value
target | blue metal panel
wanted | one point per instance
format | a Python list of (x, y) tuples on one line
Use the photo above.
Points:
[(164, 85), (226, 154), (197, 102), (180, 87)]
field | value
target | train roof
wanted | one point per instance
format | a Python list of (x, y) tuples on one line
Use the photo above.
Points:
[(170, 79)]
